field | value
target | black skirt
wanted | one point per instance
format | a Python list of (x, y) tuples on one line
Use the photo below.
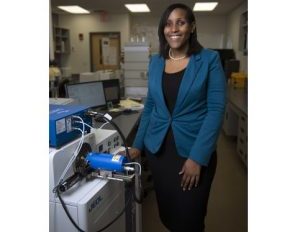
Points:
[(179, 211)]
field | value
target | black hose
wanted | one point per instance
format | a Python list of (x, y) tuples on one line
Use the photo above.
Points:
[(136, 199), (66, 210), (119, 131)]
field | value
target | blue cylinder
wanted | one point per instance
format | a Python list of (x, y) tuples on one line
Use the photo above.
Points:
[(106, 161)]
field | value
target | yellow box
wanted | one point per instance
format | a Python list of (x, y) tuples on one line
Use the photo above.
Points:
[(238, 79)]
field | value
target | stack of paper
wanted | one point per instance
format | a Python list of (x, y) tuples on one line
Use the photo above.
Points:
[(129, 104)]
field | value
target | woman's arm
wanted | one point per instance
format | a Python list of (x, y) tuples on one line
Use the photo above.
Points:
[(206, 140)]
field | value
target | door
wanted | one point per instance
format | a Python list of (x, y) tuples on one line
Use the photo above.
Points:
[(105, 50)]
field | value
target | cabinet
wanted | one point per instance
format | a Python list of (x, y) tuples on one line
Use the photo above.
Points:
[(230, 123), (236, 120), (242, 143), (243, 44), (61, 40), (136, 60)]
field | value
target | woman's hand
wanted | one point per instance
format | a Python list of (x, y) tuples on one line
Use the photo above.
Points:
[(191, 173), (133, 153)]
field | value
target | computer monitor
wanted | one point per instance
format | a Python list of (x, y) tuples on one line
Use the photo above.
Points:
[(90, 94), (112, 91), (225, 54)]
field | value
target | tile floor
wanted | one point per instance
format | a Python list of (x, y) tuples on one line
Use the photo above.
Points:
[(227, 207)]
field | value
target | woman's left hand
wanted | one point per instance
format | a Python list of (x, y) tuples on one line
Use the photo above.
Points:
[(191, 173)]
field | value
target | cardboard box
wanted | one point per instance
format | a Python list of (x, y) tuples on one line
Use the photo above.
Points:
[(238, 79)]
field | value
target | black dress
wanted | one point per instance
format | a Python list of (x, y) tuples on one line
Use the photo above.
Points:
[(179, 211)]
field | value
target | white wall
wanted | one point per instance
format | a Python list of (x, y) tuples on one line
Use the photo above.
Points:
[(79, 59), (233, 31), (51, 43), (211, 30), (145, 25)]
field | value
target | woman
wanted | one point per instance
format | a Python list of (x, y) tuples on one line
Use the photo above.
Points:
[(181, 121)]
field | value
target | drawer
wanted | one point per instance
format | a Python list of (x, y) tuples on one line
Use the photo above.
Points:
[(243, 135), (135, 82), (136, 56), (243, 154), (136, 66), (243, 121), (138, 74), (242, 148), (242, 131), (242, 142), (230, 123)]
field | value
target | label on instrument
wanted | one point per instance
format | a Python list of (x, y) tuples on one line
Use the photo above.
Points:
[(60, 126), (116, 158)]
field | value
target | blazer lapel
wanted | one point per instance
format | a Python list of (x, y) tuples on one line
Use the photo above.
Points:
[(158, 73), (189, 76)]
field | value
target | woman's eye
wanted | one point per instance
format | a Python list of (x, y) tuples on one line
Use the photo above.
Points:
[(180, 23), (177, 23), (168, 24)]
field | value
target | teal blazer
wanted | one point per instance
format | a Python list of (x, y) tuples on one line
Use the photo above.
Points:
[(198, 113)]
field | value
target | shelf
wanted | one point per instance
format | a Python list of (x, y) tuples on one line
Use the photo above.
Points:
[(62, 41), (243, 37)]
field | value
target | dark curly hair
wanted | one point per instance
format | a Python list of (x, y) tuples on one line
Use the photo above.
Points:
[(194, 45)]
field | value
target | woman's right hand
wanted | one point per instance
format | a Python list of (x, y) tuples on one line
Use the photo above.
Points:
[(133, 153)]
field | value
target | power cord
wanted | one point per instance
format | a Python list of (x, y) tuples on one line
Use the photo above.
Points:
[(77, 150)]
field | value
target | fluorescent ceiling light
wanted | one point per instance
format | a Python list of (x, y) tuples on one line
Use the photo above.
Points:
[(74, 9), (205, 6), (137, 7)]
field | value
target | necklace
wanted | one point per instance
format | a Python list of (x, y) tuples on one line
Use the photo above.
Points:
[(175, 59)]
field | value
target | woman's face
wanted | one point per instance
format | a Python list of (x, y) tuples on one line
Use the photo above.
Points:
[(177, 29)]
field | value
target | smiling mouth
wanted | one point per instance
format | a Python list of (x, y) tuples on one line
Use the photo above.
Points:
[(174, 37)]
